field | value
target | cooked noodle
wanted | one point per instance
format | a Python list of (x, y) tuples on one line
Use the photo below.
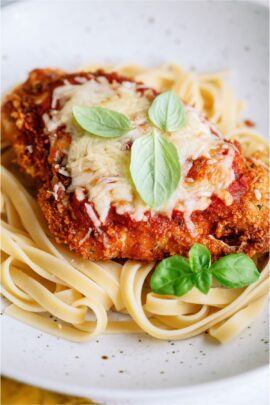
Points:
[(54, 290)]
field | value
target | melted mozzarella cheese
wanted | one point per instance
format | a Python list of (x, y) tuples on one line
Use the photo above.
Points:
[(101, 166)]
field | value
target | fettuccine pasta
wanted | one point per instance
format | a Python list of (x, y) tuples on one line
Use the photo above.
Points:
[(56, 291)]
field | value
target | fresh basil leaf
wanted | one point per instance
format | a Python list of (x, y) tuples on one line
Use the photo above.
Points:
[(199, 258), (167, 112), (155, 168), (235, 271), (203, 280), (172, 276), (184, 285), (101, 121)]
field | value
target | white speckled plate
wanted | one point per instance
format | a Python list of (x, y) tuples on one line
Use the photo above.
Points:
[(202, 35)]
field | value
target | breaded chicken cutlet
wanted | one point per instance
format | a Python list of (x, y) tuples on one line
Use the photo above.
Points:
[(85, 191)]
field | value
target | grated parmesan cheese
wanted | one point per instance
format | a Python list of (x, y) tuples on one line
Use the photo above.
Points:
[(92, 215), (101, 166), (79, 192), (258, 194), (63, 172), (86, 236), (58, 186), (29, 148)]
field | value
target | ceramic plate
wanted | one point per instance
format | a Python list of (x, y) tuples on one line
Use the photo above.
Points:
[(202, 35)]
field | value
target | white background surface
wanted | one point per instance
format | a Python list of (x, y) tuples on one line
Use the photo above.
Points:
[(205, 35)]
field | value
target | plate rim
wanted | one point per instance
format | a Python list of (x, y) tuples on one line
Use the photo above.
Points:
[(123, 393)]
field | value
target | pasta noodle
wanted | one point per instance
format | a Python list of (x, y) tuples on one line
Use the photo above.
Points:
[(54, 290)]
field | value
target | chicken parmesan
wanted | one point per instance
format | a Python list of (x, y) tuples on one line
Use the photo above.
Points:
[(85, 189)]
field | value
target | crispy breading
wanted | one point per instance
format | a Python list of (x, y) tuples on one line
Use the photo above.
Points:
[(240, 227)]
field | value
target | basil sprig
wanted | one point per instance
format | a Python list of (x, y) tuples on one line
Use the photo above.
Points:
[(239, 271), (101, 121), (200, 262), (167, 112), (154, 168), (177, 275), (172, 276)]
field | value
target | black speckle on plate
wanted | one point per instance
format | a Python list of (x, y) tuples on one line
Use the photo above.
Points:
[(151, 20)]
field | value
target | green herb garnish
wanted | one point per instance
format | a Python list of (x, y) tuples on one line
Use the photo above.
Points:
[(177, 275), (101, 121), (155, 168), (172, 276), (167, 112), (235, 271), (200, 262)]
